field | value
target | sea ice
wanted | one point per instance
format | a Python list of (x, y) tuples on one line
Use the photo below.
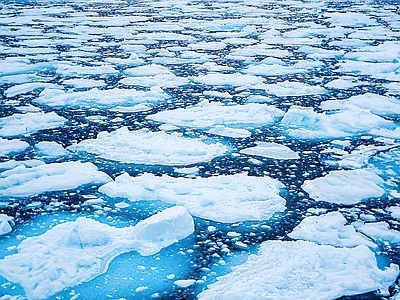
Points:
[(345, 187), (24, 180), (26, 124), (287, 88), (8, 147), (5, 224), (208, 114), (50, 149), (330, 229), (100, 98), (150, 148), (235, 79), (162, 80), (271, 150), (379, 232), (236, 133), (224, 198), (75, 252), (302, 270)]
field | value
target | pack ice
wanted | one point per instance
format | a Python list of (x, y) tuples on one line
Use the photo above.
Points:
[(75, 252)]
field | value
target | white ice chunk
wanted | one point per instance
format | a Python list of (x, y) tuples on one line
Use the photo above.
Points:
[(271, 150), (75, 252), (377, 104), (5, 224), (345, 187), (224, 198), (379, 232), (235, 79), (287, 88), (350, 19), (51, 149), (304, 122), (302, 270), (280, 70), (100, 98), (343, 83), (205, 115), (23, 180), (148, 70), (330, 229), (11, 146), (162, 80), (208, 46), (84, 83), (236, 133), (395, 211), (26, 124), (27, 87), (216, 94), (146, 147)]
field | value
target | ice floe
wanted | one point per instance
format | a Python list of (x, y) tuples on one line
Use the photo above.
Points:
[(8, 147), (379, 232), (345, 187), (23, 180), (236, 133), (287, 88), (303, 270), (225, 198), (330, 229), (208, 114), (29, 123), (100, 98), (75, 252), (50, 149), (271, 150), (150, 148), (5, 226), (235, 79)]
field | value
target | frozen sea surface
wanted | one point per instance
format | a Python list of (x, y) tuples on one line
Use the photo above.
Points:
[(265, 132)]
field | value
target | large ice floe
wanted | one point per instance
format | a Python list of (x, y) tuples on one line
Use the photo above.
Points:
[(225, 198), (345, 187), (20, 180), (75, 252), (271, 150), (143, 147)]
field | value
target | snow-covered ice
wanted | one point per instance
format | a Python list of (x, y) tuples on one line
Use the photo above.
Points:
[(303, 270), (143, 147), (330, 229), (5, 224), (225, 198), (8, 147), (271, 150), (75, 252), (23, 180), (379, 232), (345, 187), (208, 114)]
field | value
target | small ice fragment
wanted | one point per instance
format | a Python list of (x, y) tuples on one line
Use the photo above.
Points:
[(184, 283)]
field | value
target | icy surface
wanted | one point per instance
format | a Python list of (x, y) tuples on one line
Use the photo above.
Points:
[(76, 252), (143, 147), (23, 180), (226, 199), (379, 232), (5, 224), (304, 270), (345, 187), (26, 124), (11, 146), (330, 229), (271, 150), (208, 114)]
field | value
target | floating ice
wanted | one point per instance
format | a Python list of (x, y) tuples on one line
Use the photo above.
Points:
[(8, 147), (5, 224), (377, 104), (150, 148), (303, 270), (330, 229), (379, 232), (161, 80), (208, 46), (304, 122), (271, 150), (235, 79), (224, 198), (100, 98), (24, 180), (208, 114), (147, 70), (287, 88), (279, 69), (27, 87), (236, 133), (350, 19), (84, 83), (26, 124), (75, 252), (50, 149), (216, 94), (345, 187)]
